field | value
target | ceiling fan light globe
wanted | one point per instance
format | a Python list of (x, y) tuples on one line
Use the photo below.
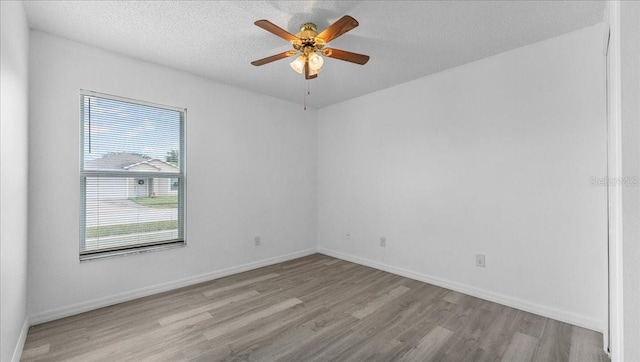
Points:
[(298, 64), (315, 61), (313, 72)]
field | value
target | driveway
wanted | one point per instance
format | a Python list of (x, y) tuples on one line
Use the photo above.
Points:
[(115, 212)]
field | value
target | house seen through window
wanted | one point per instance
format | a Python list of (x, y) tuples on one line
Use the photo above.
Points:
[(132, 175)]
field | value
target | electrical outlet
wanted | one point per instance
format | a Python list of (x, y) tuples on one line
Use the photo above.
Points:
[(383, 242), (348, 235), (480, 262), (257, 241)]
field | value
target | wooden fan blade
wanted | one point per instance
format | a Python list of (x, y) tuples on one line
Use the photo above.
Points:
[(274, 29), (343, 25), (345, 55), (272, 58)]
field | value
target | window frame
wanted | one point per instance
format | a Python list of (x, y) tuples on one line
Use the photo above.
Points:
[(84, 174)]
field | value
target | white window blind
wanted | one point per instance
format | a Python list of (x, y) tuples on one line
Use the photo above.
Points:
[(132, 175)]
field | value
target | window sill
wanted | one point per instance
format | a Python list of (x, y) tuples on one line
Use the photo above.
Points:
[(127, 252)]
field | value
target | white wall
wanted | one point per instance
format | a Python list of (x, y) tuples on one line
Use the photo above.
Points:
[(14, 46), (251, 170), (630, 82), (493, 157)]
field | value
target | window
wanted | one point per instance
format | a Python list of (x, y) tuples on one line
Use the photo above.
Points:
[(132, 175)]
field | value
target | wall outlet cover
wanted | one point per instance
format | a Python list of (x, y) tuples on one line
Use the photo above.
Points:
[(480, 261)]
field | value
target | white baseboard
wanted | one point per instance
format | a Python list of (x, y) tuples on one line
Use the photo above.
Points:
[(17, 352), (545, 311), (159, 288)]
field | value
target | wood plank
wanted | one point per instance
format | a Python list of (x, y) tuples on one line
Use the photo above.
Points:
[(211, 306), (331, 262), (255, 280), (521, 348), (453, 297), (555, 343), (428, 345), (380, 302), (36, 351), (246, 320), (586, 346)]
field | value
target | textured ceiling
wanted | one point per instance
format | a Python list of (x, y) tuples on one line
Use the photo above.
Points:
[(405, 39)]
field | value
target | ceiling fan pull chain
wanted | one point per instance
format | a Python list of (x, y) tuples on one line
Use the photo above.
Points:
[(305, 101)]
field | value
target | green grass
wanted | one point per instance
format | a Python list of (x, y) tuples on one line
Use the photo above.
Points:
[(124, 229), (160, 202)]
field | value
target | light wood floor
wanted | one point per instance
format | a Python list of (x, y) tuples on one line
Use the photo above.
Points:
[(308, 309)]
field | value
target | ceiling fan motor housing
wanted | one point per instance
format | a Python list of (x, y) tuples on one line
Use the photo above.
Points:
[(307, 42), (309, 27)]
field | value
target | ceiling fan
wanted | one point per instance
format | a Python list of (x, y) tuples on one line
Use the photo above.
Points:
[(309, 44)]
